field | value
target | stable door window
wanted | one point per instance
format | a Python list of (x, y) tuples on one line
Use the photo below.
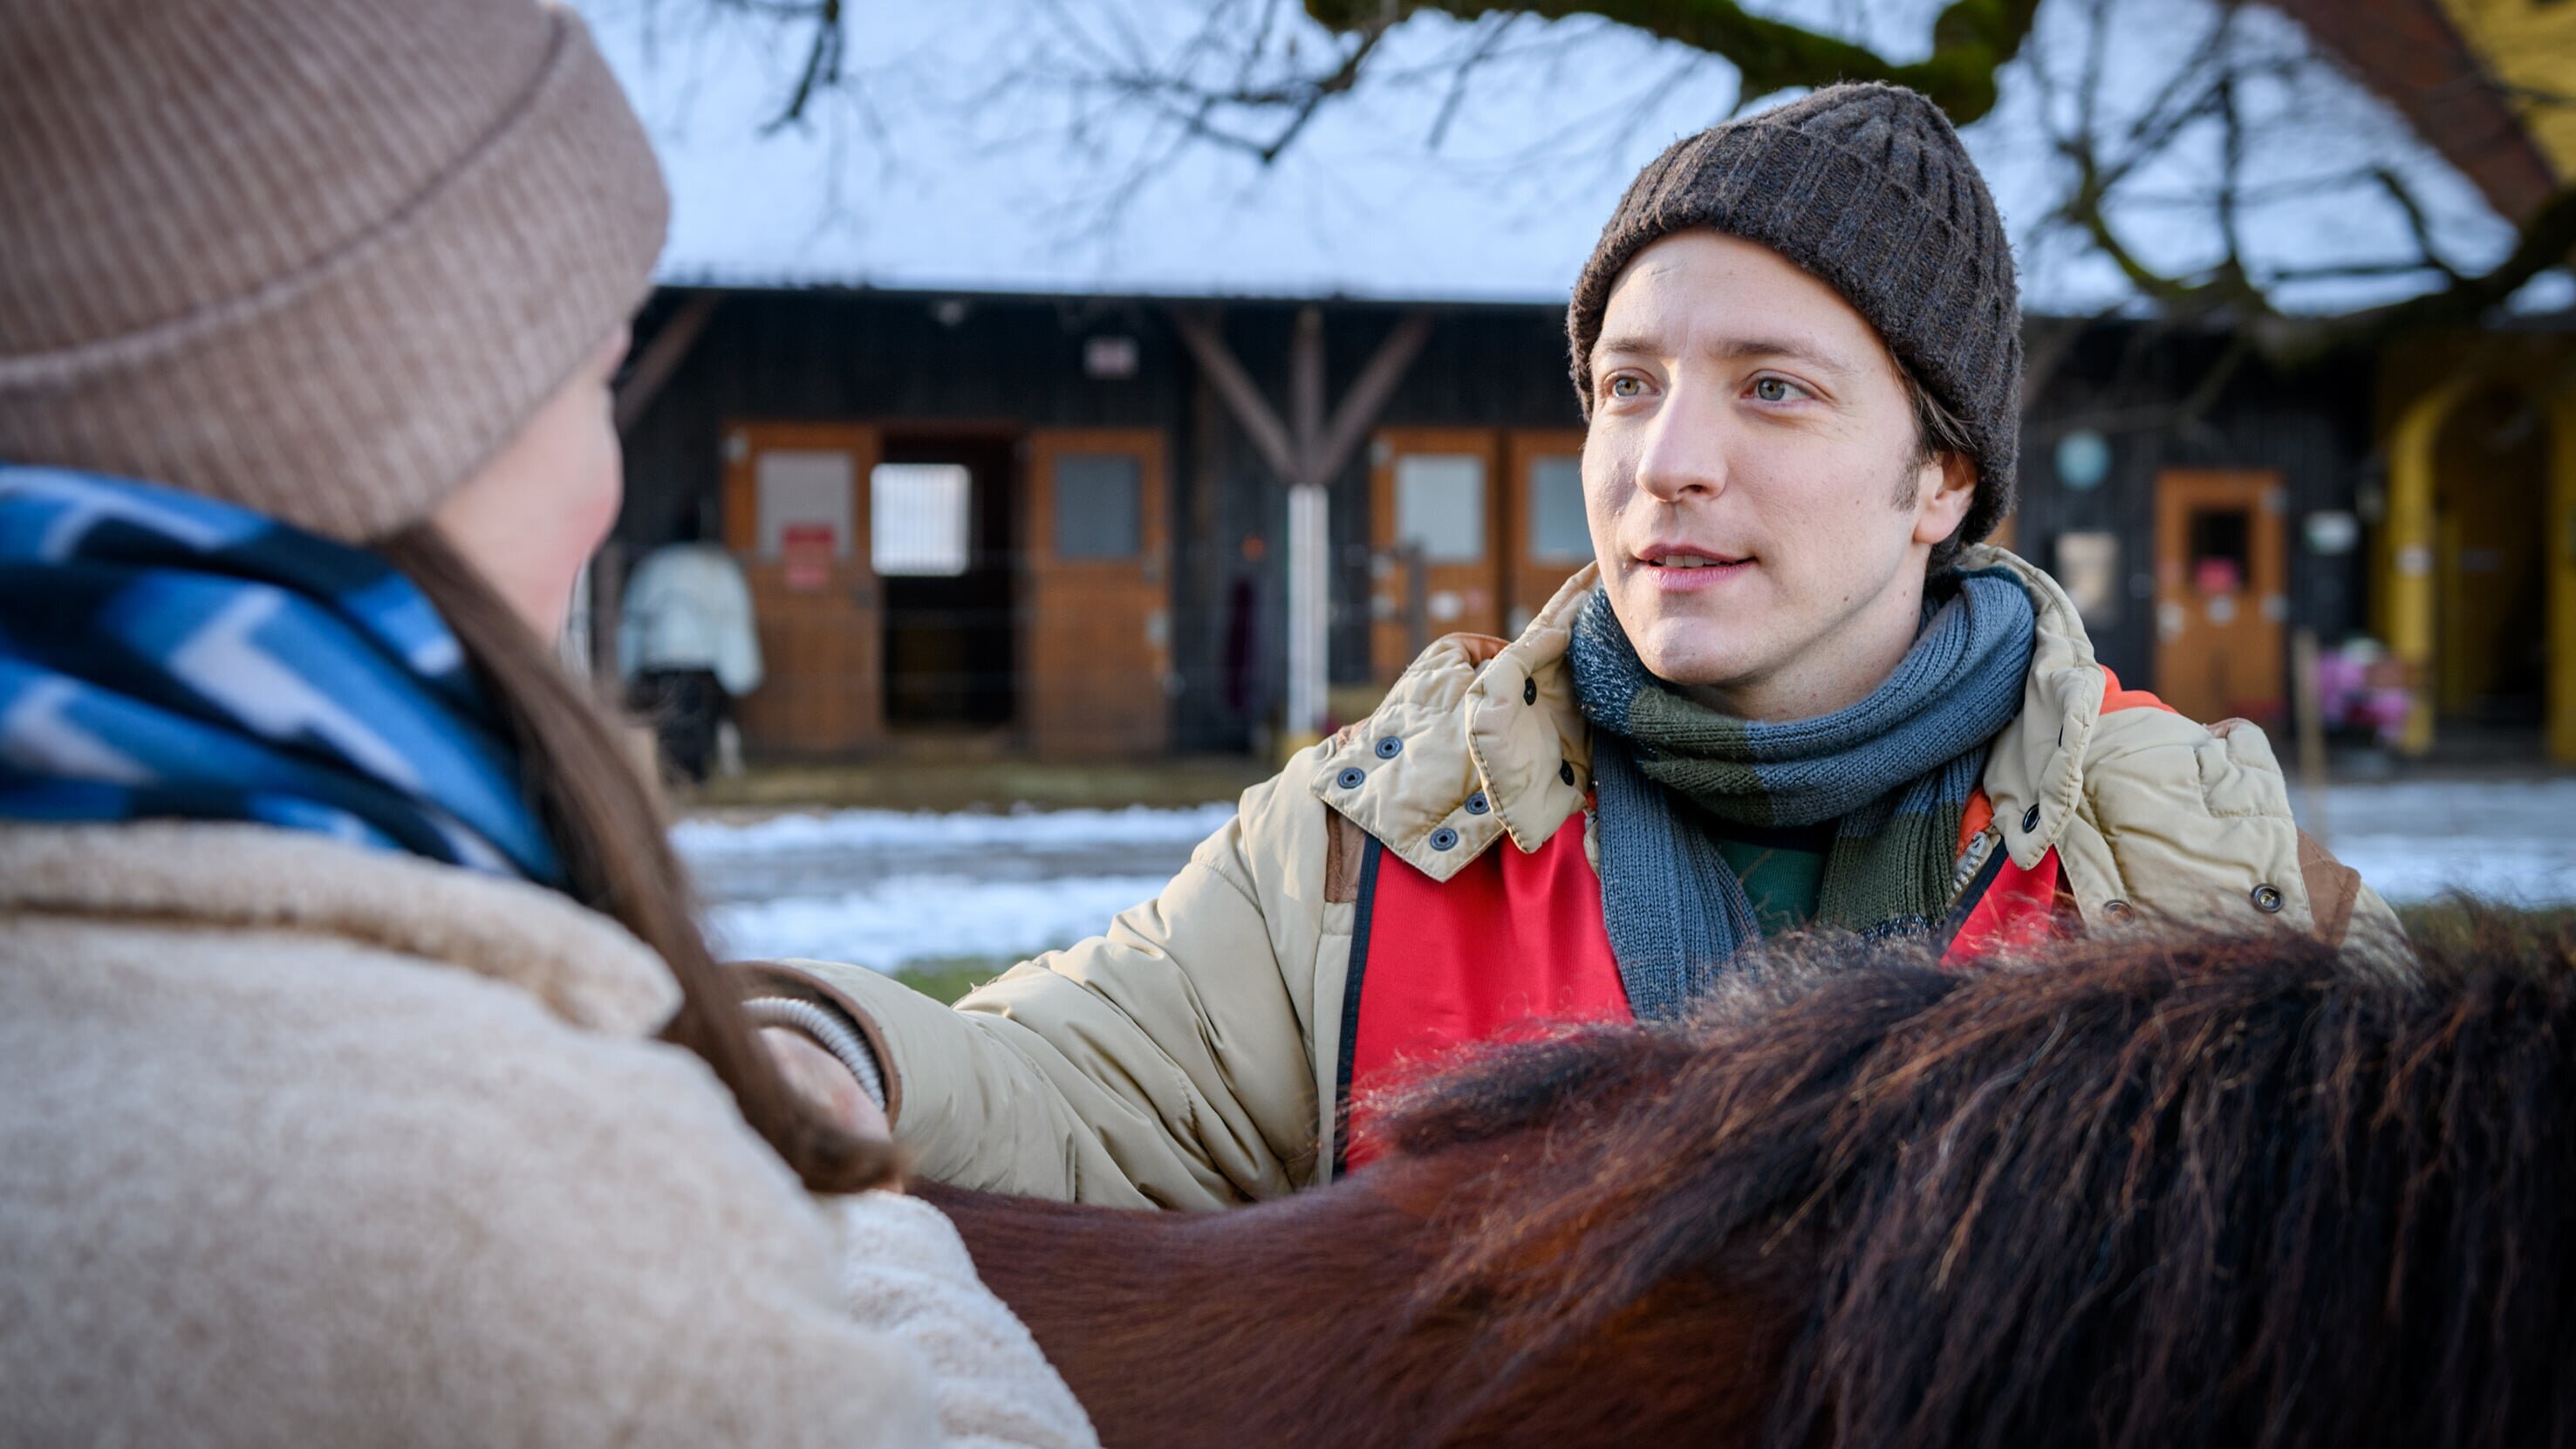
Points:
[(1440, 506)]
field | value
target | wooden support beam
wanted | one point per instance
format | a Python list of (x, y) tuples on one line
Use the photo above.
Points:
[(1306, 392), (1369, 393), (1314, 450), (662, 355), (1199, 332)]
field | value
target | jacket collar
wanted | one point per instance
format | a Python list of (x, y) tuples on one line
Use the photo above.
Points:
[(1482, 740), (2038, 760), (585, 967)]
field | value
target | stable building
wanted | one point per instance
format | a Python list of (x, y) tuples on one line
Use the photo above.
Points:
[(1069, 527)]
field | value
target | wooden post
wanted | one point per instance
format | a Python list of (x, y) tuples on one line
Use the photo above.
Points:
[(1310, 575), (2309, 700), (1310, 538), (1306, 390)]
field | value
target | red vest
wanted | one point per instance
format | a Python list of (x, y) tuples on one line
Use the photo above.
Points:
[(1514, 942)]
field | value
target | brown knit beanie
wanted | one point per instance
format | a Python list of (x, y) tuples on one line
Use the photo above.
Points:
[(1867, 187), (321, 258)]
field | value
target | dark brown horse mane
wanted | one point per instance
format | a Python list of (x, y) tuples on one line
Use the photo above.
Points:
[(2136, 1193)]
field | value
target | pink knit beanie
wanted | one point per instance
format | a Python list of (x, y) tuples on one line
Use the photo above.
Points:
[(321, 258)]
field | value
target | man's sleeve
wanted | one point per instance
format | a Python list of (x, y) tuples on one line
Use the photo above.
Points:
[(1162, 1063)]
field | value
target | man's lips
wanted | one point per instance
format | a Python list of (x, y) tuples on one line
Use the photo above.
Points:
[(1688, 566), (1661, 555)]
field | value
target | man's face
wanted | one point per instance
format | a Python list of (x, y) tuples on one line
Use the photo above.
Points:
[(1755, 480)]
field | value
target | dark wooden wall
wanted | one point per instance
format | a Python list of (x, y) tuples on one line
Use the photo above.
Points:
[(892, 360), (2131, 382)]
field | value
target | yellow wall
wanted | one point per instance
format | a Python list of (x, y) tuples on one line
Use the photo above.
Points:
[(2491, 488), (2436, 397), (2406, 544), (2531, 46), (2559, 560)]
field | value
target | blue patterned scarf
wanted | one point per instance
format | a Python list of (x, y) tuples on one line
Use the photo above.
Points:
[(165, 655), (1895, 772)]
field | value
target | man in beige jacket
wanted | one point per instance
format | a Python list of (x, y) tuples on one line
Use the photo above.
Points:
[(1791, 692)]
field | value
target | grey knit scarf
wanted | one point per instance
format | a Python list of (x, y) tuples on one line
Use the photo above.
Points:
[(1896, 770)]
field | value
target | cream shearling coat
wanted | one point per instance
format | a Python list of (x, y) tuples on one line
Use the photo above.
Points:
[(1189, 1057), (302, 1143)]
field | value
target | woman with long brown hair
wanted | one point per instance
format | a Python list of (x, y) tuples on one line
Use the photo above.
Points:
[(364, 1076)]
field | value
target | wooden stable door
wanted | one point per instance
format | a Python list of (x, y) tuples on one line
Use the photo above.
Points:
[(1545, 533), (2222, 593), (1435, 541), (796, 514), (1099, 594)]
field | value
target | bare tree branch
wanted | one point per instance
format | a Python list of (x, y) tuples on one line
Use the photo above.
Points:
[(1971, 39), (822, 54)]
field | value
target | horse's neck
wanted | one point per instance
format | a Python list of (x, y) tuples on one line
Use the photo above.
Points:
[(1296, 1322), (1245, 1328)]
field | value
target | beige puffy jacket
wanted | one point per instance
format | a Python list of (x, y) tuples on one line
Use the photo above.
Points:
[(303, 1143), (1188, 1057)]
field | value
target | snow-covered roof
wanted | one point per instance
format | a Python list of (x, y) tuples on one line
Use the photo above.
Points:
[(1006, 147)]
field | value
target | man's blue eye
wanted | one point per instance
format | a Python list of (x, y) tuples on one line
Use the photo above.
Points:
[(1623, 387), (1771, 389)]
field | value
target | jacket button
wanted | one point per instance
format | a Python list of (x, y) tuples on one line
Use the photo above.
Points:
[(2116, 910), (2030, 820), (1390, 747), (1477, 804), (1443, 838), (1351, 777), (1529, 691), (2267, 899), (1565, 771)]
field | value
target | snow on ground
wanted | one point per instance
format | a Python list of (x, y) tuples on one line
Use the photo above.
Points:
[(2511, 841), (899, 830), (884, 888), (908, 918)]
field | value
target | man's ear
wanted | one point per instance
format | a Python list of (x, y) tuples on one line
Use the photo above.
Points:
[(1945, 503)]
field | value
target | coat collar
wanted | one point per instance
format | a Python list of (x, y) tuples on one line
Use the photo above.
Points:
[(1478, 722), (585, 967), (2038, 760), (1480, 740)]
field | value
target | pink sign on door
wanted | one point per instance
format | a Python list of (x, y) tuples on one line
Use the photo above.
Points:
[(805, 550)]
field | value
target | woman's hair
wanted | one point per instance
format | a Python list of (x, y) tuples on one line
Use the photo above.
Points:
[(604, 820)]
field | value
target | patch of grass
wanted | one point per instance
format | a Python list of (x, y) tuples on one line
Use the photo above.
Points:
[(2460, 925), (946, 978)]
